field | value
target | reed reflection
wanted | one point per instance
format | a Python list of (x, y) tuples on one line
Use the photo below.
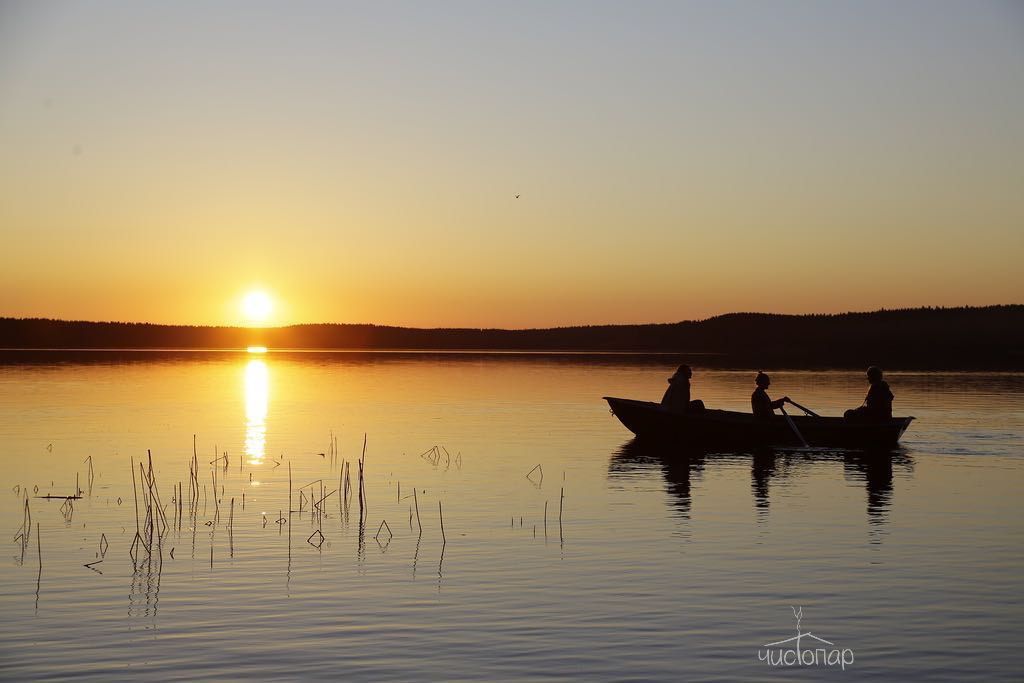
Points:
[(257, 400), (144, 594)]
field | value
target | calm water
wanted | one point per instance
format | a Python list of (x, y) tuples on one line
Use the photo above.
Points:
[(673, 568)]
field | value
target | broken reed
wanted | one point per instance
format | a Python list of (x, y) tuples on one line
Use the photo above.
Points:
[(344, 493), (561, 499), (316, 501), (441, 516), (25, 530), (383, 525), (193, 482), (91, 474), (150, 528), (346, 482), (216, 501), (333, 449), (433, 456), (362, 488), (39, 576), (417, 502)]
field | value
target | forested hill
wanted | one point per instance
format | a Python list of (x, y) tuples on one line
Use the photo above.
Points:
[(952, 338)]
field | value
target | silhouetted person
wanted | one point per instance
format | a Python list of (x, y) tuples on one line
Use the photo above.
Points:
[(760, 402), (677, 396), (878, 403)]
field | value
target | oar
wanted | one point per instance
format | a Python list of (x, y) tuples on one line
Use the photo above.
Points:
[(806, 410), (792, 425)]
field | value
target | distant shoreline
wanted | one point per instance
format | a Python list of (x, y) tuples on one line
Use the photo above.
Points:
[(661, 359), (989, 338)]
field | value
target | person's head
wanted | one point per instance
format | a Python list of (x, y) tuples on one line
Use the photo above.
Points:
[(874, 374), (762, 380), (684, 371)]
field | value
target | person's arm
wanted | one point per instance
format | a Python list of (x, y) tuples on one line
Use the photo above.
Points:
[(778, 403)]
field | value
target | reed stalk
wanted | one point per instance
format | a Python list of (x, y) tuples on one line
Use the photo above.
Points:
[(417, 502), (39, 549), (441, 516), (561, 499), (135, 491)]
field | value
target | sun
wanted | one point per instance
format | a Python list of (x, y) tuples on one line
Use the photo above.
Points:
[(257, 307)]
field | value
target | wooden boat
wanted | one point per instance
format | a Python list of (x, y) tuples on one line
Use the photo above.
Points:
[(719, 428)]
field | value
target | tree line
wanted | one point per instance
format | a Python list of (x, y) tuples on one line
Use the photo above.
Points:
[(989, 337)]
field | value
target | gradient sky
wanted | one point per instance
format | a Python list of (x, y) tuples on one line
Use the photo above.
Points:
[(360, 162)]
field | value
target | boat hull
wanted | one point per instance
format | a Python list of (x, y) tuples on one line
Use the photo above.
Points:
[(720, 428)]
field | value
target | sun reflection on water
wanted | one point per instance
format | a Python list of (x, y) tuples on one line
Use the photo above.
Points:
[(257, 398)]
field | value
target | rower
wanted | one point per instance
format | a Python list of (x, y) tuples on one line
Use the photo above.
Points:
[(677, 396), (878, 403), (760, 402)]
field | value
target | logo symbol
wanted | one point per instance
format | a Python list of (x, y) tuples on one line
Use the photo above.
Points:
[(804, 649)]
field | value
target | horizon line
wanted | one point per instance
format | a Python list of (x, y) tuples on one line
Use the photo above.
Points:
[(512, 329)]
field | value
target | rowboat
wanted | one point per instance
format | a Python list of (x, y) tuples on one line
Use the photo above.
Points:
[(724, 428)]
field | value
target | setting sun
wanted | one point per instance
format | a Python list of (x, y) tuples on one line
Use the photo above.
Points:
[(257, 307)]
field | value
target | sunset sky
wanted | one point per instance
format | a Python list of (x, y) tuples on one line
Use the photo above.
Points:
[(360, 163)]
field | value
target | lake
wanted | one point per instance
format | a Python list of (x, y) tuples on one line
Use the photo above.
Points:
[(567, 550)]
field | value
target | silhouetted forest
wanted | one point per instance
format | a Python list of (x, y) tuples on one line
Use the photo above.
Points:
[(990, 337)]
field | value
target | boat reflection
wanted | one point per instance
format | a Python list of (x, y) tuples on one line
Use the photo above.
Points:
[(680, 465), (257, 400)]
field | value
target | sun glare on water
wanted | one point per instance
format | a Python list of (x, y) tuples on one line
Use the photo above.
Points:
[(257, 307)]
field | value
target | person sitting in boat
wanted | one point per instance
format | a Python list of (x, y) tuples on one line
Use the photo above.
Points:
[(677, 396), (760, 402), (878, 403)]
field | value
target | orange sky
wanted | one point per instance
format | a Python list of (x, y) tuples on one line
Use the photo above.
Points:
[(361, 164)]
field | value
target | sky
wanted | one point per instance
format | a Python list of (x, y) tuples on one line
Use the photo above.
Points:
[(361, 162)]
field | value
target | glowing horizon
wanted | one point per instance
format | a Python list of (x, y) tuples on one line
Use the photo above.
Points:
[(629, 165)]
